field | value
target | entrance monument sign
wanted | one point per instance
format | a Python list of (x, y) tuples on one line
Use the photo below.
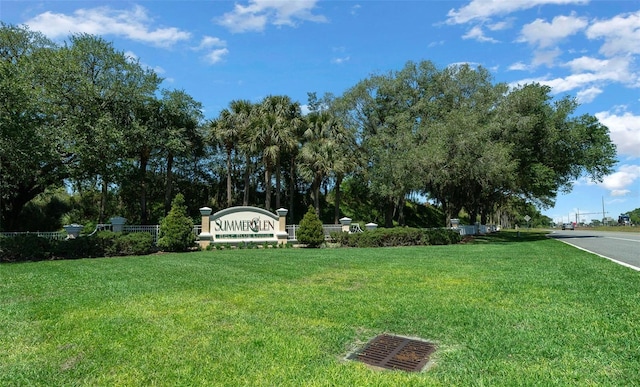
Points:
[(241, 225)]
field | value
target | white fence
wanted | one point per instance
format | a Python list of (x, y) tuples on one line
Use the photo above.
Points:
[(477, 229), (326, 228), (57, 235), (153, 229)]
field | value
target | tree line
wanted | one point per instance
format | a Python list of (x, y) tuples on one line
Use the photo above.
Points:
[(87, 133)]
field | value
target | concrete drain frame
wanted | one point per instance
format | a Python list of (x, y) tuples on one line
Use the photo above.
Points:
[(395, 352)]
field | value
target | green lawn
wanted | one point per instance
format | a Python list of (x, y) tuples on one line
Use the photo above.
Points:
[(503, 311)]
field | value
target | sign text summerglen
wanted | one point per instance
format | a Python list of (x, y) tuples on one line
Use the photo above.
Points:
[(239, 224)]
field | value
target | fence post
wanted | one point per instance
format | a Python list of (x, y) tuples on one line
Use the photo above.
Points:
[(282, 234), (205, 238), (117, 223), (346, 224), (73, 230)]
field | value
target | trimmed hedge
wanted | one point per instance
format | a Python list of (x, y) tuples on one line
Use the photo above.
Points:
[(23, 248), (392, 237)]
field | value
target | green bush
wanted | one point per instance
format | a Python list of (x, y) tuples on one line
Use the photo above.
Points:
[(390, 237), (22, 248), (81, 247), (176, 229), (138, 243), (107, 240), (310, 232)]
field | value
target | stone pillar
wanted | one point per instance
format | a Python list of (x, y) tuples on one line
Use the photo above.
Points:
[(282, 234), (455, 223), (73, 230), (205, 237), (117, 223), (346, 224), (371, 226)]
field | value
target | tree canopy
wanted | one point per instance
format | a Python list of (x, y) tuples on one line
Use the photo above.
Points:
[(83, 123)]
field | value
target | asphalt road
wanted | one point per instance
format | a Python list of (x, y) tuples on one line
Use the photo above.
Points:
[(621, 247)]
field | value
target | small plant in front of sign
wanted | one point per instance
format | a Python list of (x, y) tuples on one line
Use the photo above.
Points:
[(176, 229), (310, 232)]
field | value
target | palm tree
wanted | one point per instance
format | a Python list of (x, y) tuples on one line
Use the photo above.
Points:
[(274, 134), (319, 151), (329, 150), (222, 131), (232, 131)]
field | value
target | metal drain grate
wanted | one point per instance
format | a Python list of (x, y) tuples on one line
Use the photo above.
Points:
[(396, 353)]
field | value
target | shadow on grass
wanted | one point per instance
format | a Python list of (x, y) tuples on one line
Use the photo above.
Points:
[(509, 236)]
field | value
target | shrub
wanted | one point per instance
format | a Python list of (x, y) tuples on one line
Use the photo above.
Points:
[(310, 232), (81, 247), (22, 248), (176, 229), (138, 243), (107, 241), (388, 237)]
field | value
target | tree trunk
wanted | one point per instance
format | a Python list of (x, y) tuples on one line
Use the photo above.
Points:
[(103, 199), (247, 172), (267, 188), (483, 217), (388, 212), (316, 193), (401, 220), (168, 184), (292, 187), (278, 183), (336, 209), (144, 159), (229, 193), (11, 217), (473, 216)]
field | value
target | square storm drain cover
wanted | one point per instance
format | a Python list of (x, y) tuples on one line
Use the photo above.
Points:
[(396, 353)]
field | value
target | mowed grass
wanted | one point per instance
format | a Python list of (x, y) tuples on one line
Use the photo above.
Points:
[(503, 311)]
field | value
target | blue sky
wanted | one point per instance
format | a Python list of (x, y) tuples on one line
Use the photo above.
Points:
[(218, 51)]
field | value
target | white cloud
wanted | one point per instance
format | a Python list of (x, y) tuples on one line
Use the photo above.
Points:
[(588, 75), (585, 63), (620, 192), (477, 34), (519, 66), (622, 180), (216, 48), (589, 94), (340, 60), (210, 41), (545, 57), (624, 131), (485, 9), (621, 34), (544, 34), (258, 13), (217, 55), (501, 25), (134, 24)]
